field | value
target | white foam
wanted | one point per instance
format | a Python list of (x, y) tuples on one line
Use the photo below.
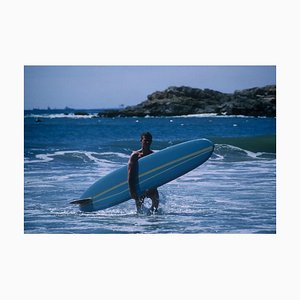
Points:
[(121, 155), (196, 116), (206, 115), (41, 158), (251, 154), (62, 115), (92, 156), (216, 156)]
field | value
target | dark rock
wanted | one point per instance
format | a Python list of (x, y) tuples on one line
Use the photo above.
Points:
[(81, 113), (109, 113), (259, 101)]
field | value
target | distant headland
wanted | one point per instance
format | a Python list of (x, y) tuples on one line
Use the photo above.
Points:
[(176, 101)]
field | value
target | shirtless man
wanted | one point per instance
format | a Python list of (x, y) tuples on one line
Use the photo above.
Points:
[(146, 140)]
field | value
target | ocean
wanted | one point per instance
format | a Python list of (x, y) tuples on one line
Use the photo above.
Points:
[(233, 192)]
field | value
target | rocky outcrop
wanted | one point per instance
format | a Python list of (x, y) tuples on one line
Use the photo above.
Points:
[(252, 102), (186, 100), (81, 113)]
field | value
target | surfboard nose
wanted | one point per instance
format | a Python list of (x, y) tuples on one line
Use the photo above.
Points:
[(212, 145), (206, 143)]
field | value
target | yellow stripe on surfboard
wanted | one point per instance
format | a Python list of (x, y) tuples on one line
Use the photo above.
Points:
[(113, 195), (185, 158)]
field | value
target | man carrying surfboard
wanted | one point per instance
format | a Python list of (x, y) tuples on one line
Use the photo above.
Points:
[(146, 140)]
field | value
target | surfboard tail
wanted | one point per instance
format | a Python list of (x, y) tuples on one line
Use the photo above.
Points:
[(82, 201)]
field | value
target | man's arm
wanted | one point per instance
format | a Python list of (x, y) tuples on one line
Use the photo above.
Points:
[(132, 166)]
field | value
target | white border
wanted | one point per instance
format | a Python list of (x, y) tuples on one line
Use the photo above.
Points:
[(154, 32)]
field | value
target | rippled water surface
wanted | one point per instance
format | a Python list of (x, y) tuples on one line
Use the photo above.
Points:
[(233, 192)]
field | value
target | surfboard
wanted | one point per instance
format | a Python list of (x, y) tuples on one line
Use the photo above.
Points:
[(154, 171)]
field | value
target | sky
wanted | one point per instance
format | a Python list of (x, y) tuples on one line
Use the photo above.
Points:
[(87, 87)]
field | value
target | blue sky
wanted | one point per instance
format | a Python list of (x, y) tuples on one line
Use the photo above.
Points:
[(111, 86)]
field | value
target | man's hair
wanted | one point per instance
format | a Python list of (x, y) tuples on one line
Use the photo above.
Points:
[(147, 135)]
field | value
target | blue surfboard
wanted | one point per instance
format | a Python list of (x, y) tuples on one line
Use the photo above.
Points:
[(154, 170)]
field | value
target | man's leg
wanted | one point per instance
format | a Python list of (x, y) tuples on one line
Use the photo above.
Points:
[(154, 196), (139, 204)]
